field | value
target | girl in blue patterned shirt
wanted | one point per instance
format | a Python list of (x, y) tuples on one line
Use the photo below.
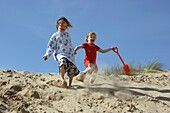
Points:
[(63, 52)]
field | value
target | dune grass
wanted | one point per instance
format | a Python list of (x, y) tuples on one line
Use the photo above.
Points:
[(153, 66), (117, 69)]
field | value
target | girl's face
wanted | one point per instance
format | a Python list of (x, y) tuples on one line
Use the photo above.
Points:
[(62, 26), (91, 38)]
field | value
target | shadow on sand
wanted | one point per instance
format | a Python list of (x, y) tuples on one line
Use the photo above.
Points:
[(111, 90)]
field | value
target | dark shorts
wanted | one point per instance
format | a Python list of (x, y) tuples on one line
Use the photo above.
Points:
[(69, 67)]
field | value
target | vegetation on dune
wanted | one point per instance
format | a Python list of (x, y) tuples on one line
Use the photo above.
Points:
[(117, 69)]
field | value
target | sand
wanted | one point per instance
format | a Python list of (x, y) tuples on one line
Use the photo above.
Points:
[(28, 92)]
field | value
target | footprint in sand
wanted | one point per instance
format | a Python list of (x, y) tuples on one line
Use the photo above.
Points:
[(57, 83)]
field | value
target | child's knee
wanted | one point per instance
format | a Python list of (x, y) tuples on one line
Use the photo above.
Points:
[(71, 76)]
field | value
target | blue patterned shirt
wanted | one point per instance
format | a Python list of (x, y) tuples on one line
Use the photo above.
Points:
[(60, 45)]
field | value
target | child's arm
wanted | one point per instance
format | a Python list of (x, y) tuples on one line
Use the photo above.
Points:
[(50, 47), (77, 48), (106, 50)]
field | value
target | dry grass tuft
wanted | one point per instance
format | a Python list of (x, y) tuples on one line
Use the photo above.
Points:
[(117, 69)]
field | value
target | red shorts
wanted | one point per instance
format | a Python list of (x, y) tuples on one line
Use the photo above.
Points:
[(86, 63)]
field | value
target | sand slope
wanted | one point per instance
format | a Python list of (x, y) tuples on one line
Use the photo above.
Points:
[(27, 92)]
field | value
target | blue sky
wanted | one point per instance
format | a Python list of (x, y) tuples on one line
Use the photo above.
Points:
[(139, 28)]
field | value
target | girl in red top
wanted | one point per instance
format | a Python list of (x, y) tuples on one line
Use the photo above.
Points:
[(90, 56)]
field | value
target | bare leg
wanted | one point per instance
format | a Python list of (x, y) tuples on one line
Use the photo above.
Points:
[(62, 72), (92, 79), (89, 69), (94, 75), (81, 76), (70, 79)]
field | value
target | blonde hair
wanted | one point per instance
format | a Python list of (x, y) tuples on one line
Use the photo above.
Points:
[(89, 34), (63, 19)]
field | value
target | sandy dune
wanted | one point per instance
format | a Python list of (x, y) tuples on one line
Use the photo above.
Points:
[(27, 92)]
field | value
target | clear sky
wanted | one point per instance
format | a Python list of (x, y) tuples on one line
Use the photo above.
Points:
[(139, 28)]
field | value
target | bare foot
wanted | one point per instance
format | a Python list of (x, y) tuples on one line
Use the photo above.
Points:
[(69, 86), (92, 79), (64, 84), (80, 77)]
